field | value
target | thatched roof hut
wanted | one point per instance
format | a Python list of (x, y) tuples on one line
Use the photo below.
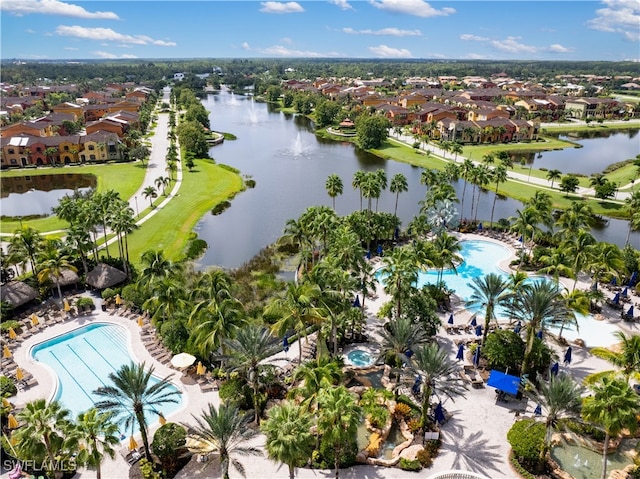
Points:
[(17, 293), (104, 276), (68, 277)]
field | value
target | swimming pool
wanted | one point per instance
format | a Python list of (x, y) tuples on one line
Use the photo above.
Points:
[(82, 360)]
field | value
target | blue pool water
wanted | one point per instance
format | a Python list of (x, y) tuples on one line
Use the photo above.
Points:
[(360, 358), (83, 359)]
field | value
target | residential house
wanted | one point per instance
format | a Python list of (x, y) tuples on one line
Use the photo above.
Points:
[(487, 114), (69, 108), (26, 128), (594, 108), (112, 125), (102, 146)]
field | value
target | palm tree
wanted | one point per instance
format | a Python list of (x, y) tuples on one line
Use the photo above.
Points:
[(633, 202), (614, 407), (357, 182), (132, 394), (47, 436), (251, 345), (53, 263), (606, 259), (123, 223), (334, 187), (556, 263), (456, 149), (104, 205), (439, 375), (446, 253), (398, 185), (338, 421), (580, 248), (560, 398), (289, 438), (525, 222), (151, 193), (491, 292), (99, 436), (626, 358), (224, 433), (402, 335), (400, 270), (499, 175), (554, 175), (465, 172), (312, 376), (26, 242)]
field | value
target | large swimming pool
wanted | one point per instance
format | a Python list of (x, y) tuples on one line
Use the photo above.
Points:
[(83, 358)]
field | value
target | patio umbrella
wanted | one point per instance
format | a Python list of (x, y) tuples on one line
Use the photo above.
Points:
[(6, 403), (12, 422), (285, 343), (539, 334), (634, 277), (624, 293), (517, 328), (12, 333), (140, 321), (368, 255), (478, 330), (520, 239), (379, 249), (438, 414), (415, 389), (616, 299), (34, 320), (161, 419), (476, 356), (460, 354), (6, 353), (538, 410), (567, 356), (630, 312), (182, 360), (67, 306), (19, 374), (614, 281), (118, 300), (356, 302), (594, 286), (408, 353), (450, 321), (200, 369), (396, 233), (555, 368), (473, 321), (133, 445)]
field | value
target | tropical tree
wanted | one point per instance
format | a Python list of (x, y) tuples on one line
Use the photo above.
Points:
[(98, 436), (131, 394), (334, 187), (553, 175), (400, 336), (499, 175), (223, 433), (489, 292), (466, 169), (613, 406), (357, 182), (53, 263), (313, 376), (633, 202), (250, 346), (104, 205), (150, 193), (556, 263), (26, 242), (626, 358), (439, 375), (289, 438), (400, 270), (398, 185), (338, 421)]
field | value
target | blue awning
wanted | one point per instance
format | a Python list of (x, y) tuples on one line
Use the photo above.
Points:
[(504, 382)]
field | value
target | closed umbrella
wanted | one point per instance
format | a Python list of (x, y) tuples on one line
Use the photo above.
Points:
[(630, 312), (200, 369), (12, 422), (6, 353), (538, 410), (624, 293), (616, 299), (285, 343), (476, 357), (555, 368), (6, 403), (478, 330), (67, 306), (118, 300), (634, 277), (415, 389), (34, 320), (473, 321), (517, 328), (567, 356), (19, 374), (614, 281), (133, 445), (182, 360), (460, 354), (594, 286), (356, 302), (12, 333), (140, 321), (539, 334), (379, 250), (438, 414), (480, 226), (161, 419), (450, 321), (368, 254)]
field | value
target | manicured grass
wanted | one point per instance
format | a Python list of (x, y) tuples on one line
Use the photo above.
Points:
[(201, 189), (477, 152), (125, 178), (622, 125)]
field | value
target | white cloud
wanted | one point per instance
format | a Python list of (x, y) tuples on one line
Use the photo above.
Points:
[(71, 49), (618, 16), (470, 37), (286, 40), (511, 45), (389, 52), (475, 56), (245, 46), (282, 51), (419, 8), (391, 31), (557, 48), (52, 7), (281, 7), (101, 54), (29, 30), (107, 34), (343, 4)]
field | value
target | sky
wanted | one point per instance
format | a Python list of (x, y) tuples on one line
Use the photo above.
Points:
[(394, 29)]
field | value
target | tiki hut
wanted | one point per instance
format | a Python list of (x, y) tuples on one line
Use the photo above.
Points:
[(17, 293), (104, 276), (67, 277)]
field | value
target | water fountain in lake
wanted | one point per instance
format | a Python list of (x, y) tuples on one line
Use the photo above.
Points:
[(298, 147), (253, 113), (233, 100)]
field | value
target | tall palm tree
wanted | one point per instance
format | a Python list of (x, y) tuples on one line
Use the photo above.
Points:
[(123, 223), (556, 263), (482, 178), (53, 263), (334, 187), (402, 335), (357, 182), (98, 436), (313, 376), (613, 406), (150, 193), (499, 175), (578, 216), (131, 394), (559, 398), (338, 421), (542, 204), (289, 438), (223, 433), (606, 259), (490, 292), (167, 300), (465, 173), (398, 185), (626, 358), (446, 253), (580, 248), (250, 346), (400, 270), (553, 175), (439, 375), (47, 436), (526, 223), (26, 242), (105, 205), (633, 202)]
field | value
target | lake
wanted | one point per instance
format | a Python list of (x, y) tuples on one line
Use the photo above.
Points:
[(290, 166)]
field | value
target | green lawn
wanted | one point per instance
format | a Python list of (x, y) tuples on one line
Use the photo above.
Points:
[(125, 178), (627, 125), (201, 189)]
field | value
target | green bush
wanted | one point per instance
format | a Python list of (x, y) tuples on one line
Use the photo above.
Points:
[(7, 387), (518, 467), (504, 350), (410, 465), (220, 207), (146, 470), (84, 301), (526, 438), (236, 391), (108, 293), (195, 248), (169, 445), (12, 323), (131, 294)]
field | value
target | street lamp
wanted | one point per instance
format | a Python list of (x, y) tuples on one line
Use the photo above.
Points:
[(137, 213)]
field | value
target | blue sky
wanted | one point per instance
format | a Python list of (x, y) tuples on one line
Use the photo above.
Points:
[(507, 30)]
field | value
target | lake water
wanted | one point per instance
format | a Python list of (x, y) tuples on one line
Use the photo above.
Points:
[(290, 166)]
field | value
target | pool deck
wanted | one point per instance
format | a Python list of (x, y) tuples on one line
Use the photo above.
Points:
[(474, 438)]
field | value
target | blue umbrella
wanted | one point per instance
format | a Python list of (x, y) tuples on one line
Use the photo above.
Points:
[(408, 353), (555, 368), (356, 302), (624, 293), (630, 312), (520, 239), (634, 277), (616, 299), (567, 356), (539, 334), (368, 254), (450, 321), (473, 321), (614, 281), (479, 226), (396, 233), (460, 354), (478, 330), (538, 410), (517, 328), (594, 286), (438, 414), (476, 356), (285, 343), (379, 249), (415, 389)]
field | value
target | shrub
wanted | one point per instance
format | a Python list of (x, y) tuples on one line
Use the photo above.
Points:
[(402, 410), (108, 293), (518, 467), (425, 457), (526, 438), (414, 425), (146, 469), (220, 207), (236, 391), (169, 444), (84, 301), (130, 293), (7, 387), (12, 323), (378, 417), (409, 465)]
